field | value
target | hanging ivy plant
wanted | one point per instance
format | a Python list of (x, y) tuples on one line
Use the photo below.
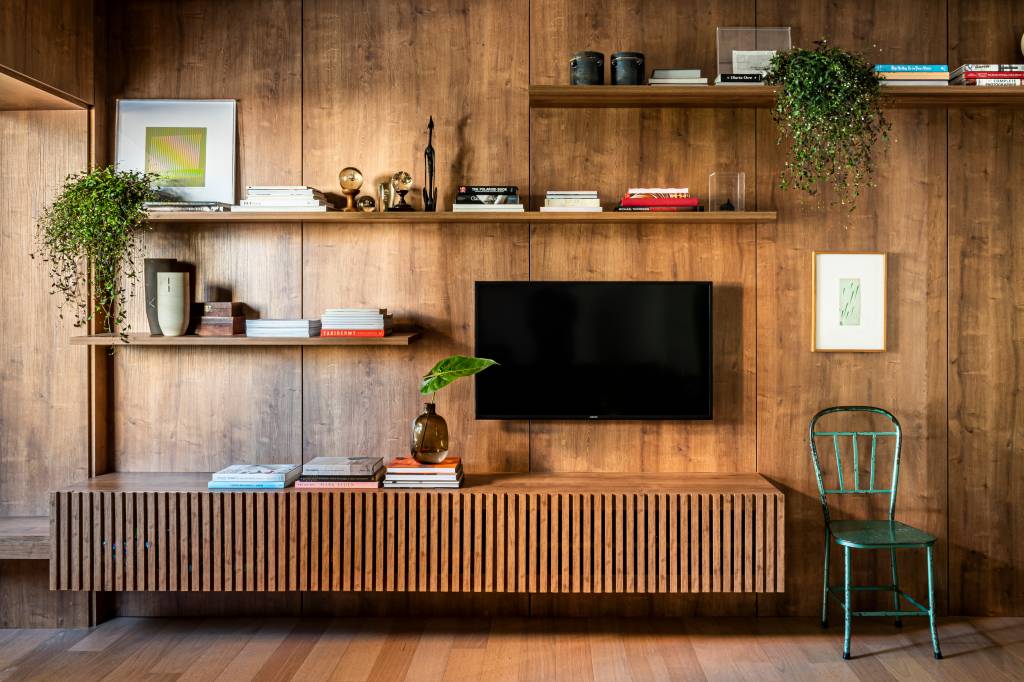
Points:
[(829, 109), (89, 238)]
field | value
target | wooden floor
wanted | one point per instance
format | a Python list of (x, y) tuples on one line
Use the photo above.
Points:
[(483, 650)]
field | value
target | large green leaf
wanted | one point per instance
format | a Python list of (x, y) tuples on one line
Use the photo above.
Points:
[(451, 368)]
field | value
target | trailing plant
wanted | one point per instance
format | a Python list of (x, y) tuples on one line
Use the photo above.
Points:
[(448, 370), (89, 238), (829, 109)]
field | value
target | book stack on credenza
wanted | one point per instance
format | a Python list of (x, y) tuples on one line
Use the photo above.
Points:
[(484, 198), (676, 77), (282, 199), (658, 199), (255, 476), (356, 322), (989, 75), (910, 75), (218, 318), (284, 329), (586, 201), (327, 473), (406, 472)]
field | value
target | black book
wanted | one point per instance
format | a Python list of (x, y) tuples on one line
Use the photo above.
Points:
[(376, 476), (488, 189), (742, 78)]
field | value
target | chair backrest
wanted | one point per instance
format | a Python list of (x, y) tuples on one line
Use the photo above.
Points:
[(857, 485)]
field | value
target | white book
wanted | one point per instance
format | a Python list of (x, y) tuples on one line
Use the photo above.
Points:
[(359, 311), (342, 466), (488, 208), (282, 323), (282, 201), (278, 209), (281, 188), (914, 84), (257, 472), (566, 201), (678, 81), (418, 484), (422, 479), (572, 193), (675, 73), (658, 190), (571, 209)]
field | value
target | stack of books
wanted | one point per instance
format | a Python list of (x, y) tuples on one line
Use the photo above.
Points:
[(676, 77), (185, 206), (260, 476), (218, 318), (356, 322), (585, 201), (282, 198), (487, 198), (292, 329), (912, 74), (405, 472), (341, 472), (668, 199), (989, 75)]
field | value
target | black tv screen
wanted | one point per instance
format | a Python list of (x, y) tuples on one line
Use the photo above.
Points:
[(594, 350)]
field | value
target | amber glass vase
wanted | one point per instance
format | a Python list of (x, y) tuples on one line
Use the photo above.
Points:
[(429, 436)]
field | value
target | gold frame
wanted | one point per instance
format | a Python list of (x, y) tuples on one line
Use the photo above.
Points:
[(814, 301)]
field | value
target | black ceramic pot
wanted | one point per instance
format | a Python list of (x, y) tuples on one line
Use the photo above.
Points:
[(586, 68), (628, 68)]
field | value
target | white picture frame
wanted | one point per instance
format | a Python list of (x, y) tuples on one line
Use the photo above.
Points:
[(189, 142), (848, 302)]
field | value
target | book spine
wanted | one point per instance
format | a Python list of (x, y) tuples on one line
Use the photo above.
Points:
[(349, 485), (353, 333), (657, 209), (992, 82), (742, 78), (911, 68), (488, 189), (659, 201), (973, 75), (228, 485)]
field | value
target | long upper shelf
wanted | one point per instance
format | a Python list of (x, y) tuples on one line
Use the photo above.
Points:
[(746, 96), (399, 338), (421, 217), (19, 92)]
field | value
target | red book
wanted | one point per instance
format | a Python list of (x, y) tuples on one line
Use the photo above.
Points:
[(659, 201), (336, 485), (359, 333), (657, 209), (971, 75)]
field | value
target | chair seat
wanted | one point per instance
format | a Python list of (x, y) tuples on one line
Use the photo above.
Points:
[(868, 534)]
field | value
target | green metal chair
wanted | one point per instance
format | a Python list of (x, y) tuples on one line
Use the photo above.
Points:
[(873, 535)]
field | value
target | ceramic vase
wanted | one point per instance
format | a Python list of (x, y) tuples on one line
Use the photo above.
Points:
[(152, 267), (429, 436), (172, 302)]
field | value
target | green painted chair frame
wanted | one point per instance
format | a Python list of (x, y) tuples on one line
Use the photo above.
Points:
[(871, 535)]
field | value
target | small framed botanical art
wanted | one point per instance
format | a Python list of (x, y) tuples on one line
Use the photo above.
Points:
[(849, 301), (188, 143)]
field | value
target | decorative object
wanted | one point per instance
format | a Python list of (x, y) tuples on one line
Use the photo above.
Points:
[(350, 179), (188, 145), (628, 68), (151, 266), (385, 196), (726, 191), (586, 68), (429, 188), (744, 53), (172, 302), (366, 204), (401, 183), (829, 112), (89, 239), (429, 430), (849, 301)]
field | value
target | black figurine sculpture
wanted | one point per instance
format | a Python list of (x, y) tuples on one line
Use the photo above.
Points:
[(429, 190)]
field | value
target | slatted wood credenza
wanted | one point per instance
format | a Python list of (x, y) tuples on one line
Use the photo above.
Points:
[(545, 533)]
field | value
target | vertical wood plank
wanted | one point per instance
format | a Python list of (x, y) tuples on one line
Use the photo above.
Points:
[(544, 543), (206, 546), (630, 542), (769, 545), (75, 517), (228, 552), (695, 521), (151, 542), (739, 510), (714, 505), (759, 545), (240, 550), (727, 543), (641, 542), (217, 541), (673, 543), (313, 532), (402, 529), (445, 529), (663, 543), (609, 551), (260, 551), (128, 544), (587, 545), (338, 538), (469, 505), (294, 505), (748, 543), (422, 514), (488, 542)]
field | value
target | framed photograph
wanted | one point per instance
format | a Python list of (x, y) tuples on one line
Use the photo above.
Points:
[(189, 143), (849, 301)]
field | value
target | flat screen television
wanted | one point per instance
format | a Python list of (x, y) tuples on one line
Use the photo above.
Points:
[(594, 350)]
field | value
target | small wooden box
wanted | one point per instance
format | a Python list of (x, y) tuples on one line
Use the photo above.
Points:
[(218, 309), (210, 325)]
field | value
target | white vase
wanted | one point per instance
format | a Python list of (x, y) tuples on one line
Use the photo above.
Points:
[(172, 302)]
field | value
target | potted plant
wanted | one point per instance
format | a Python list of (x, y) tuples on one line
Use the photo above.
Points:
[(89, 238), (829, 109), (430, 430)]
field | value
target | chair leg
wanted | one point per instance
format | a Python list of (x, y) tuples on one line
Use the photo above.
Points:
[(931, 606), (848, 607), (895, 586), (824, 593)]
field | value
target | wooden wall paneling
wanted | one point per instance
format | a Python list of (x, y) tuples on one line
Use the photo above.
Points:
[(986, 273)]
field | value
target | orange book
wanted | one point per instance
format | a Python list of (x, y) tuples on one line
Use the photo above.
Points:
[(357, 333), (407, 465)]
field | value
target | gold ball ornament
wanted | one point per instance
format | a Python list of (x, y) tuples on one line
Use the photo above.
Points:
[(401, 181), (366, 204), (350, 179)]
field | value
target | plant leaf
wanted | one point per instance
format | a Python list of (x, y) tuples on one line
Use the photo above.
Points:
[(451, 368)]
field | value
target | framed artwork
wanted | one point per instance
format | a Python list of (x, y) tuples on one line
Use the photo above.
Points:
[(849, 301), (189, 143)]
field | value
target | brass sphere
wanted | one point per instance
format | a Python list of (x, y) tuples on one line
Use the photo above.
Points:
[(366, 204), (350, 178), (401, 181)]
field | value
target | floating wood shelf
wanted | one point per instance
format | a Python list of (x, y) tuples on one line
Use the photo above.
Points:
[(420, 217), (544, 533), (401, 338), (19, 92), (25, 537), (746, 96)]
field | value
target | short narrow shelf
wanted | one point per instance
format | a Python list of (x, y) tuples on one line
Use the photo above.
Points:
[(402, 338), (420, 217), (25, 537), (19, 92)]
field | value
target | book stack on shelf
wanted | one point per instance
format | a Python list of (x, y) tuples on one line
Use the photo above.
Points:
[(340, 473), (585, 201), (255, 476), (282, 199), (485, 198), (185, 206), (676, 77), (218, 318), (290, 329), (406, 472), (982, 75), (356, 322), (655, 199), (910, 75)]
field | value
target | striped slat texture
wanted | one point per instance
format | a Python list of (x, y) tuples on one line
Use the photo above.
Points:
[(450, 541)]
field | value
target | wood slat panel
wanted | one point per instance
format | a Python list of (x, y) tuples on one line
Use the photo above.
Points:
[(416, 541)]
